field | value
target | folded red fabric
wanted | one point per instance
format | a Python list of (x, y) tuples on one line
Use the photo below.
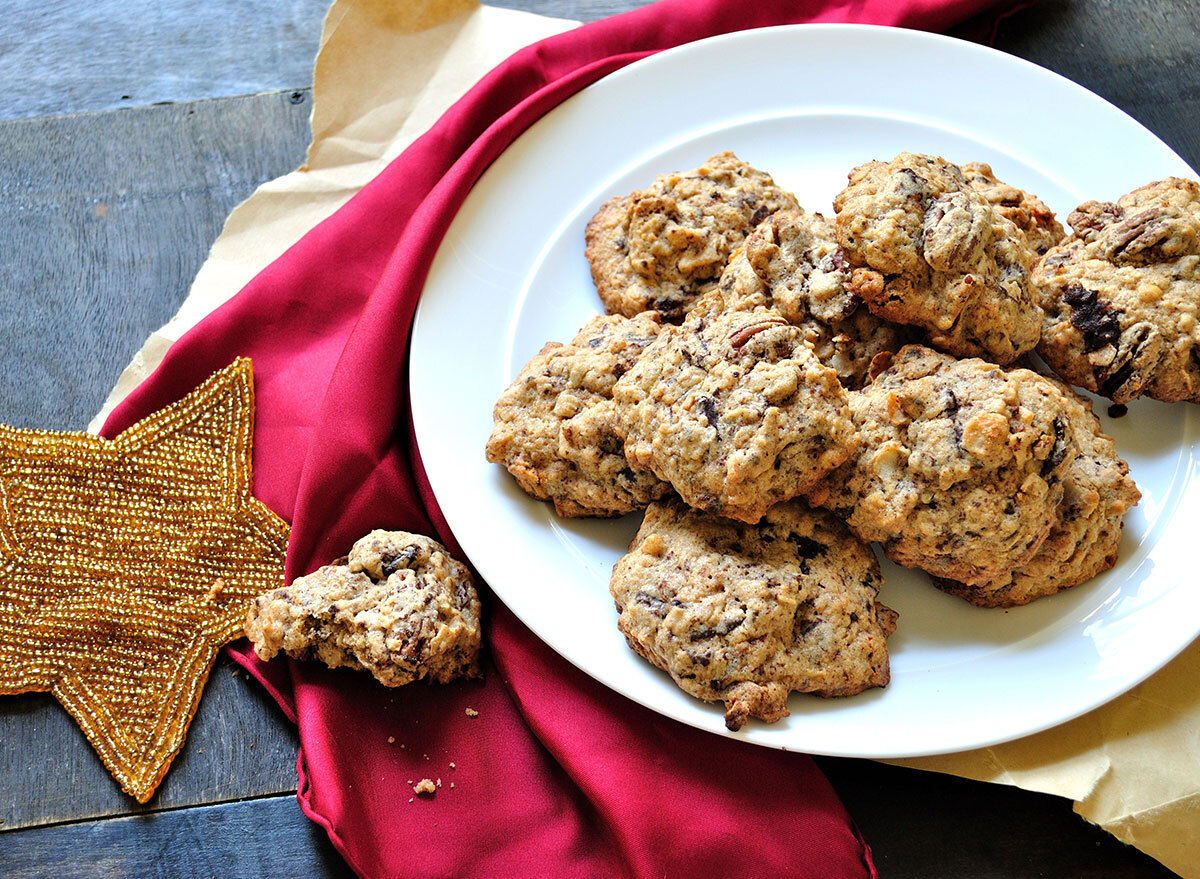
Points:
[(556, 775)]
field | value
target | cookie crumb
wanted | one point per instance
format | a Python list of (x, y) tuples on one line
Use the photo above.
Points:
[(451, 765), (410, 799), (471, 712), (425, 786), (439, 782), (391, 740), (451, 784)]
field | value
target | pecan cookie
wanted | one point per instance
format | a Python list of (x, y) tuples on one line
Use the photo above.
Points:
[(662, 247), (929, 250), (553, 426), (1097, 492), (746, 614), (1121, 295), (961, 465), (399, 607), (735, 412), (791, 264), (1026, 211)]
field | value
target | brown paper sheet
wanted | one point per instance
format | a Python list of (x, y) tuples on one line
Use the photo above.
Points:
[(1132, 766)]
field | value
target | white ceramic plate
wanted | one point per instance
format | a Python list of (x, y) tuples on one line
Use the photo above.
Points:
[(805, 103)]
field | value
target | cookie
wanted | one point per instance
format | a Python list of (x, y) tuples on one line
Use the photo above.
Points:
[(961, 466), (1026, 211), (662, 247), (929, 250), (1121, 295), (735, 412), (746, 614), (1083, 542), (791, 264), (399, 607), (553, 427)]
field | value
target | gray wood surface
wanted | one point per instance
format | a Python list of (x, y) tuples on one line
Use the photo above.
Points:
[(265, 837), (104, 218), (68, 56)]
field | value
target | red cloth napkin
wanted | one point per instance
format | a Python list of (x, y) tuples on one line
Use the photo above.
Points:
[(557, 775)]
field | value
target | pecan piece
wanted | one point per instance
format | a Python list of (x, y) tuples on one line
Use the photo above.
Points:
[(750, 329)]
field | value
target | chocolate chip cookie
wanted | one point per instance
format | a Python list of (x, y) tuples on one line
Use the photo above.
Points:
[(1083, 542), (399, 607), (929, 250), (661, 247), (1026, 211), (553, 426), (746, 614), (1121, 295), (961, 466), (791, 264), (735, 412)]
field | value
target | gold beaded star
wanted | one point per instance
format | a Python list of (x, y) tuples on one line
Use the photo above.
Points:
[(125, 564)]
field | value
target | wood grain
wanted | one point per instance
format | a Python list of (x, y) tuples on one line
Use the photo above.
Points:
[(67, 56), (106, 219), (264, 837)]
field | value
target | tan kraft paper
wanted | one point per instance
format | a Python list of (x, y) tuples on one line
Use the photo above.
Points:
[(1132, 766)]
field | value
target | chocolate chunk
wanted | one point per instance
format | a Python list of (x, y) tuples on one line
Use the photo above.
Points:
[(391, 564), (1096, 320), (1059, 451), (710, 412), (806, 546)]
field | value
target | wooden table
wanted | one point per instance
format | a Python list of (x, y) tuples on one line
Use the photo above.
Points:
[(128, 130)]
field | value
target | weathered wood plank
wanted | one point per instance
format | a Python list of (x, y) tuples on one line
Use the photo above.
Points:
[(104, 220), (265, 837), (64, 56), (1142, 55)]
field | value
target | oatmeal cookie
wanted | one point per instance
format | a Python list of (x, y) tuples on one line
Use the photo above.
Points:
[(746, 614), (735, 412), (1097, 493), (399, 607), (929, 250), (961, 466), (1121, 295), (1026, 211), (661, 247), (791, 264), (554, 424)]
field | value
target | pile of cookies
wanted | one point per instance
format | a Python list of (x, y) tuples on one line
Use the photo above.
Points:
[(778, 390)]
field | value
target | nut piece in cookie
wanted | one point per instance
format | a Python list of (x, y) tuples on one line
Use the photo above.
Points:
[(746, 614), (961, 466), (930, 250), (660, 248), (1083, 542), (553, 426), (735, 412), (1026, 211), (1121, 295), (399, 607), (791, 264)]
